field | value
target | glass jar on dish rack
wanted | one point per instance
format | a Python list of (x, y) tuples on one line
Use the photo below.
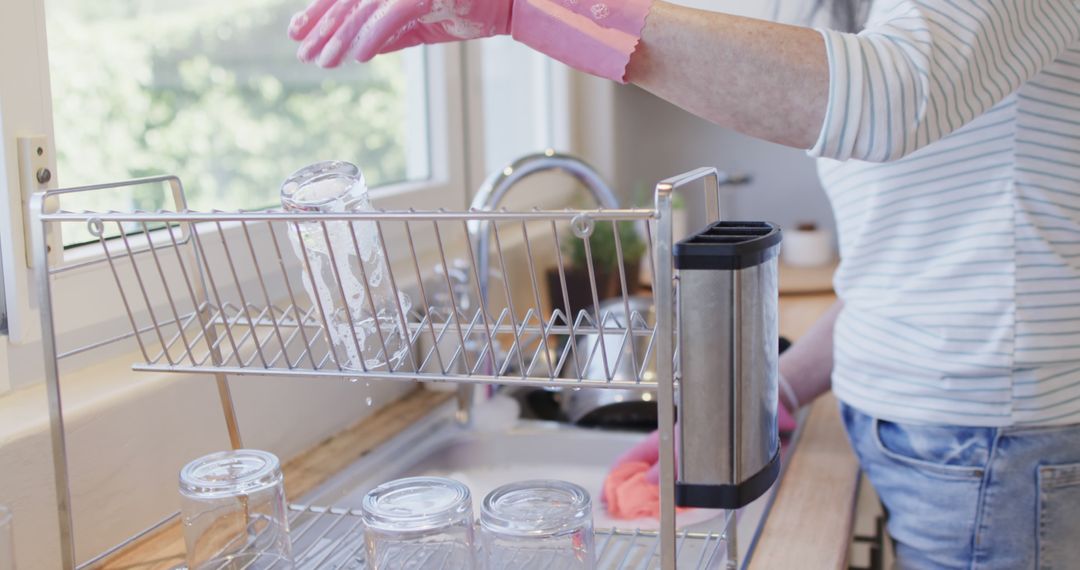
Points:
[(345, 268)]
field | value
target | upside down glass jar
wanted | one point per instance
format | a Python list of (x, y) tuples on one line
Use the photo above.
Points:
[(537, 525), (344, 267), (419, 523), (233, 512)]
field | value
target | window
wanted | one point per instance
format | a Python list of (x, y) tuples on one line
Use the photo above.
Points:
[(519, 108), (212, 92), (519, 105)]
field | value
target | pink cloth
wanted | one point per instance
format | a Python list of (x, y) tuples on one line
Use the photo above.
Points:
[(596, 37), (648, 450), (632, 490), (628, 495)]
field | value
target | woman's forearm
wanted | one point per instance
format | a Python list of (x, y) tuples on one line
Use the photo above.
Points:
[(807, 365), (766, 80)]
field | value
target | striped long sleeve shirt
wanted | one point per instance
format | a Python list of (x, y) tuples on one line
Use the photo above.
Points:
[(951, 155)]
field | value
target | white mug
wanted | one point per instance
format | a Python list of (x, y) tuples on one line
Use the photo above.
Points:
[(807, 248)]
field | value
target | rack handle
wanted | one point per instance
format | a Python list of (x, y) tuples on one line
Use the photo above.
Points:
[(665, 322)]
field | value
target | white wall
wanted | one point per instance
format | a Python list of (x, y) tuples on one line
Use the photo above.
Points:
[(651, 140), (654, 140)]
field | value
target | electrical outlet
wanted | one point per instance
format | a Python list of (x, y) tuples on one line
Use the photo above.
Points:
[(37, 175)]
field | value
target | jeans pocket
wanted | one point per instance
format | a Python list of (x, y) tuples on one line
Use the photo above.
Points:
[(954, 453), (1059, 516)]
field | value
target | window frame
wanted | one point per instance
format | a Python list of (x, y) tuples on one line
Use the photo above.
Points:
[(553, 124)]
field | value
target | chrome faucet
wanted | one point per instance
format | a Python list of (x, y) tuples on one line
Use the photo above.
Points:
[(499, 184), (492, 193)]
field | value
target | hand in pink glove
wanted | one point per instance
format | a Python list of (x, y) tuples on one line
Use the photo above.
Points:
[(648, 450), (332, 30), (595, 36)]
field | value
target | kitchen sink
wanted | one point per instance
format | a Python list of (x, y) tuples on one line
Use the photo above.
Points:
[(501, 448)]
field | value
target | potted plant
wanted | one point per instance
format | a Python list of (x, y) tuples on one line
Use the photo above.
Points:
[(605, 257)]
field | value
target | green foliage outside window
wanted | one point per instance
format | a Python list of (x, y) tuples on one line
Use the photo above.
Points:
[(211, 91)]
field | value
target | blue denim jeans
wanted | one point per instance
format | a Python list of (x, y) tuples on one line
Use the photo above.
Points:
[(974, 498)]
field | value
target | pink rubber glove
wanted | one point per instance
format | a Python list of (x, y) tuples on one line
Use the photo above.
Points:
[(648, 449), (594, 36)]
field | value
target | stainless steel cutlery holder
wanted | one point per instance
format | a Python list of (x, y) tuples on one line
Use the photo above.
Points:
[(729, 447)]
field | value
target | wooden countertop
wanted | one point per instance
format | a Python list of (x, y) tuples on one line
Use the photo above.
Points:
[(810, 523), (808, 526)]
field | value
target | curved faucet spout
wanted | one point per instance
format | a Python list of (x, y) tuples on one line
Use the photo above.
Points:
[(501, 182), (497, 185)]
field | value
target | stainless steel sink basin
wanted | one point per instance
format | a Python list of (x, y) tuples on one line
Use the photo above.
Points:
[(500, 449)]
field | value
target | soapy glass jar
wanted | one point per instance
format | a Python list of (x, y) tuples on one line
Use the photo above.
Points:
[(345, 268)]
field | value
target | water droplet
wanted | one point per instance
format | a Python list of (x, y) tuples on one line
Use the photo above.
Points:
[(582, 226), (367, 384), (353, 380), (577, 389), (369, 401)]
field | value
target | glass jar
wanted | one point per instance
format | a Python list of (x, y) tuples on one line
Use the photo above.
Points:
[(234, 514), (537, 525), (419, 523), (365, 325)]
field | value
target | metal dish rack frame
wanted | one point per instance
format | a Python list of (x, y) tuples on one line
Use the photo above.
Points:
[(224, 331)]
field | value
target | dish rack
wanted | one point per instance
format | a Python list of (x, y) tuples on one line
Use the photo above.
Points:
[(220, 293)]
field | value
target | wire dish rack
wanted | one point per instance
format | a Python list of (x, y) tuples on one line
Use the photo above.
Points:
[(223, 293), (203, 317), (328, 538)]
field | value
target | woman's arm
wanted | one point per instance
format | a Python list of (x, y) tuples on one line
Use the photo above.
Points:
[(767, 80), (920, 70), (807, 365)]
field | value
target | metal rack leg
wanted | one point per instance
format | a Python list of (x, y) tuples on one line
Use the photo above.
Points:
[(60, 468), (465, 401), (666, 290), (732, 546), (665, 392), (56, 408), (229, 409), (665, 400)]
